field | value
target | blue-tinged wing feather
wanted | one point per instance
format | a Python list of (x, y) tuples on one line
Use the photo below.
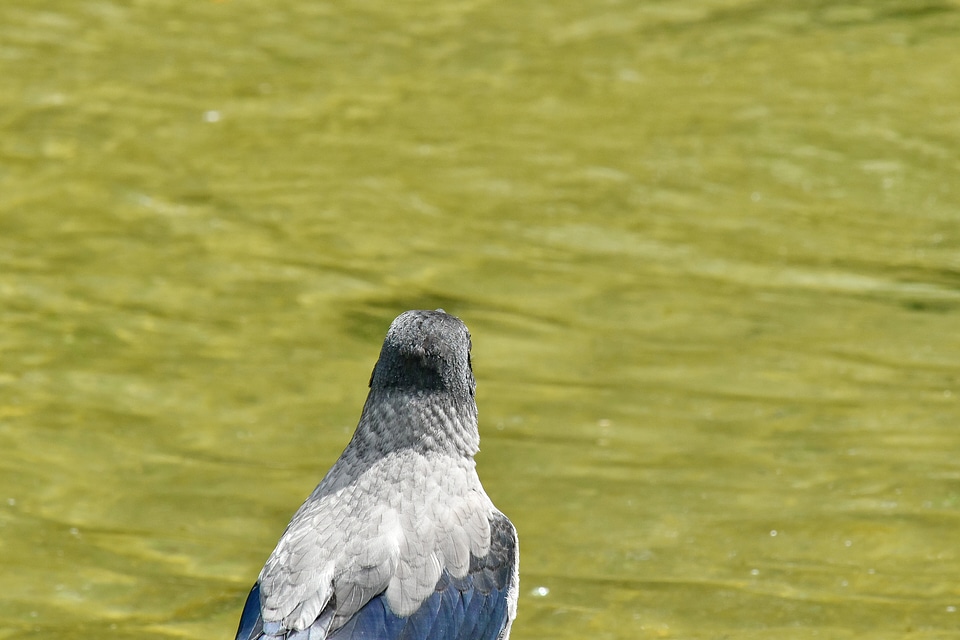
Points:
[(498, 614), (251, 624), (449, 616), (374, 620), (423, 619), (474, 607), (446, 615)]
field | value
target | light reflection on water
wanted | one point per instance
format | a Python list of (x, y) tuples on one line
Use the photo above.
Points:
[(708, 253)]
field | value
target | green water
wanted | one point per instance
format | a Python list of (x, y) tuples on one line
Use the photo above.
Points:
[(709, 252)]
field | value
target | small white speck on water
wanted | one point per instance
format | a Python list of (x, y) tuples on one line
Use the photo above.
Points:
[(211, 116), (848, 543), (754, 572), (773, 533), (951, 609), (541, 592)]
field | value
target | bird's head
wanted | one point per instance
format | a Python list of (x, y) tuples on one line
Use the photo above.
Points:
[(425, 351)]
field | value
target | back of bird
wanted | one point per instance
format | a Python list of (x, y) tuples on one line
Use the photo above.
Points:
[(399, 540)]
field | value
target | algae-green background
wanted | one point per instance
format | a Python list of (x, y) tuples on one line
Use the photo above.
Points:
[(709, 252)]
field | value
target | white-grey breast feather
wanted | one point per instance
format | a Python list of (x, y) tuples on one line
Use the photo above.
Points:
[(398, 539)]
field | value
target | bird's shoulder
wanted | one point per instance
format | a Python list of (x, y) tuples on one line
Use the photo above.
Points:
[(389, 527)]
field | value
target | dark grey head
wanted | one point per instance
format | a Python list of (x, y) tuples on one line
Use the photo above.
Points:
[(425, 351)]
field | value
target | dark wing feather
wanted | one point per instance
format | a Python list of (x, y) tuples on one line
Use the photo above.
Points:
[(251, 624), (475, 607)]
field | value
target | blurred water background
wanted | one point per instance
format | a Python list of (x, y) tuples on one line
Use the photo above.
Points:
[(708, 250)]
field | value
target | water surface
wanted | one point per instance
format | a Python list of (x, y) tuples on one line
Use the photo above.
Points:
[(708, 251)]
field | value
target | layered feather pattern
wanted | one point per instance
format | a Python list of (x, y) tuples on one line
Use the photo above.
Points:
[(399, 540)]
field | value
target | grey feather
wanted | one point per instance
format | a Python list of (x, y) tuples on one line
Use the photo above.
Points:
[(402, 504)]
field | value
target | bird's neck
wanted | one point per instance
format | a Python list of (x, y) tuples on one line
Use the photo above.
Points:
[(428, 422)]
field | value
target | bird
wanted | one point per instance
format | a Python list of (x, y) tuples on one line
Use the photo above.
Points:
[(399, 541)]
